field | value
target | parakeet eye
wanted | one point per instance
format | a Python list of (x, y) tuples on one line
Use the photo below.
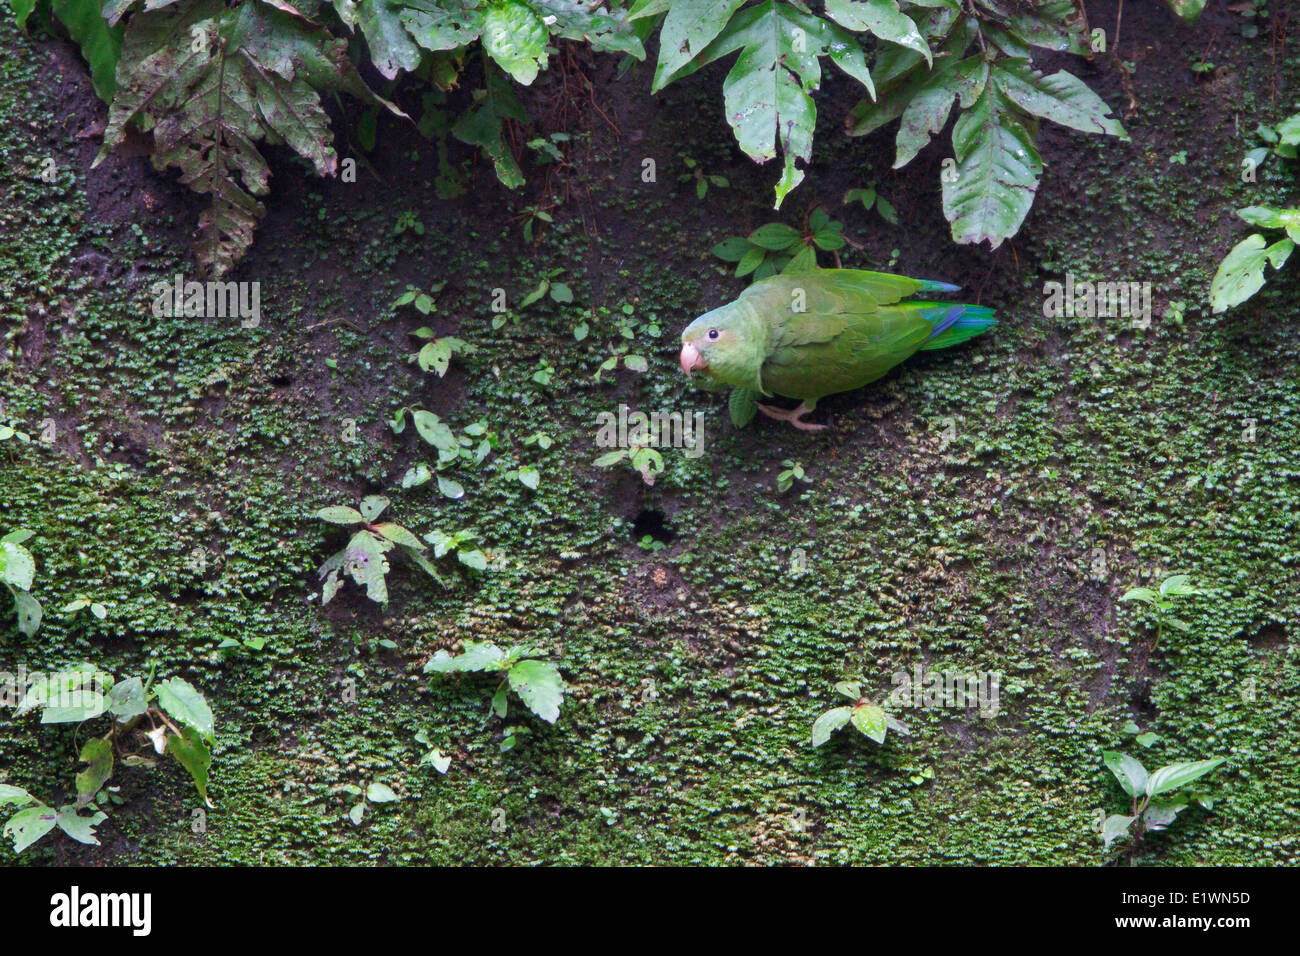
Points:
[(713, 333)]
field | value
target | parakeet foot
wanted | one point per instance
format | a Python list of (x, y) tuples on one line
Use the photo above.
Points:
[(792, 415)]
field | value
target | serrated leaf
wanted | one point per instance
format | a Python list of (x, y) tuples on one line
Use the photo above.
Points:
[(1062, 98), (399, 535), (340, 514), (997, 173), (882, 18), (210, 82), (539, 685)]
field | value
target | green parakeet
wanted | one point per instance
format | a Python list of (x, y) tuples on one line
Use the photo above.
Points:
[(807, 335)]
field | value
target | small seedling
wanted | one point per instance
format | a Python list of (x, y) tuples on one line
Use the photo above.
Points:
[(435, 758), (364, 558), (793, 471), (537, 682), (436, 353), (558, 291), (867, 717), (645, 461), (869, 197), (83, 601), (462, 543), (1174, 586), (423, 301), (1148, 813), (702, 180), (777, 247), (374, 793)]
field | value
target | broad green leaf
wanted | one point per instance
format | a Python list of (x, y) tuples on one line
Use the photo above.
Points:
[(98, 754), (1241, 273), (1270, 217), (732, 250), (442, 24), (589, 23), (81, 829), (849, 688), (396, 533), (1115, 827), (1145, 595), (474, 656), (539, 685), (340, 514), (774, 236), (828, 723), (996, 176), (372, 506), (883, 18), (380, 793), (1132, 776), (23, 9), (529, 476), (1062, 98), (185, 704), (691, 25), (1178, 585), (515, 37), (1189, 10), (29, 825), (29, 613), (435, 356), (126, 699), (1157, 816), (100, 43), (10, 794), (17, 566), (482, 126), (1178, 775), (192, 754), (434, 430), (391, 48), (365, 563), (870, 719), (473, 559), (450, 489), (766, 93)]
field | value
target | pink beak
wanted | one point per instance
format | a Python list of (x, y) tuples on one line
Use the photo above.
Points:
[(691, 358)]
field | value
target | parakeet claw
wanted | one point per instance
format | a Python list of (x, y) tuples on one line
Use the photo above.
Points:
[(792, 415)]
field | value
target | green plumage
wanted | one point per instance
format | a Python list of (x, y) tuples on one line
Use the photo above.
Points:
[(811, 334)]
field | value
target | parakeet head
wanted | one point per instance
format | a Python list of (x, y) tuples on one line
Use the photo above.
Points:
[(726, 344)]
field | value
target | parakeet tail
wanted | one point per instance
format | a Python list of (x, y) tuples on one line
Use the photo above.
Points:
[(954, 324)]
